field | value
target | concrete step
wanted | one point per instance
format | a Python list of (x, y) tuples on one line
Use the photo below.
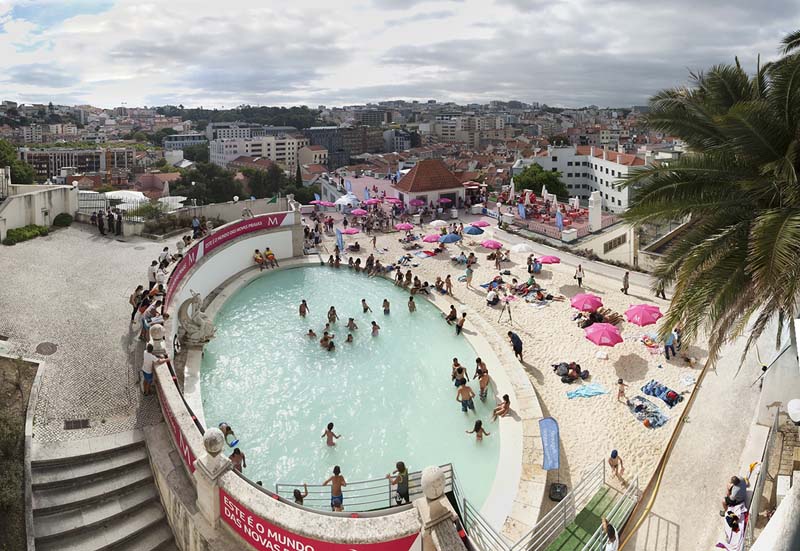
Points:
[(64, 523), (131, 532), (156, 538), (51, 500), (92, 468), (74, 452)]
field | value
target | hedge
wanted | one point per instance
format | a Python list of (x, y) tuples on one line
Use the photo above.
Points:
[(23, 234), (62, 220)]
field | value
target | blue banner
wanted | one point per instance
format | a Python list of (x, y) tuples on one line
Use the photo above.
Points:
[(521, 209), (339, 240), (559, 220), (317, 197), (549, 431), (348, 185)]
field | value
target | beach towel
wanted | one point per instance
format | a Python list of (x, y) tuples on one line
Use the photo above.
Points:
[(669, 396), (587, 391), (734, 541), (647, 412), (420, 254)]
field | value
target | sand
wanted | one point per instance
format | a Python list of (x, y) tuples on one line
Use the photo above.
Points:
[(590, 427)]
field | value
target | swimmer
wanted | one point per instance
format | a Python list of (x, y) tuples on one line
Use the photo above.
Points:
[(385, 307), (349, 338), (351, 324), (332, 315), (464, 396), (230, 437), (479, 366), (304, 309), (327, 328), (331, 346), (337, 482), (375, 329), (456, 367), (311, 334), (412, 307), (364, 306), (238, 459), (330, 435), (483, 381), (477, 430), (503, 408), (325, 340)]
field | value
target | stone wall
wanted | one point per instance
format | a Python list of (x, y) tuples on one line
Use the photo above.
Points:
[(39, 205)]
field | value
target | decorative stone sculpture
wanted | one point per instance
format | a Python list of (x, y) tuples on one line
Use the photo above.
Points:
[(208, 468), (433, 482), (213, 441), (157, 339), (293, 205), (196, 327)]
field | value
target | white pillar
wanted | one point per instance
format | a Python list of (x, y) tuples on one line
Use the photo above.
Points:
[(595, 211), (208, 469)]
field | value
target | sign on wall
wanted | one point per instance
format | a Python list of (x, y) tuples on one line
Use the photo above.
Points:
[(216, 240), (265, 536), (174, 427)]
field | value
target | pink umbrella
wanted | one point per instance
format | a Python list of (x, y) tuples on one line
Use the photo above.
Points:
[(416, 202), (432, 238), (643, 314), (405, 226), (550, 260), (491, 244), (372, 202), (350, 231), (603, 334), (327, 203), (586, 302), (393, 200), (480, 224), (445, 200), (358, 212), (315, 202)]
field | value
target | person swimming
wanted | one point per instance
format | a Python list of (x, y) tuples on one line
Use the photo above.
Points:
[(483, 381), (351, 324), (364, 306), (478, 431), (330, 435), (230, 437), (375, 329), (385, 307), (349, 338), (332, 315), (303, 308)]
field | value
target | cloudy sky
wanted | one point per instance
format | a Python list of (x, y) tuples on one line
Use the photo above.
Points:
[(334, 52)]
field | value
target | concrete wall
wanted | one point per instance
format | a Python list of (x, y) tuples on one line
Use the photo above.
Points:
[(231, 211), (622, 253), (31, 204)]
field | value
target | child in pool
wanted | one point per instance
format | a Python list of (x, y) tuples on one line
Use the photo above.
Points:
[(375, 329), (478, 431), (386, 307), (330, 435)]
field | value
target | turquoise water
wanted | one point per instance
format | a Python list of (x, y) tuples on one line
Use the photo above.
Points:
[(390, 397)]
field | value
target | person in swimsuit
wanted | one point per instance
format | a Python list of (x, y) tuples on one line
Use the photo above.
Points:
[(349, 338), (451, 316), (332, 315), (460, 323), (385, 307), (365, 306), (326, 338), (330, 435), (337, 482), (448, 285), (412, 307), (456, 366), (375, 329), (615, 462), (401, 480), (478, 431), (230, 436), (483, 381), (464, 396), (502, 408), (304, 308), (238, 459), (351, 324), (300, 496), (311, 334), (479, 366)]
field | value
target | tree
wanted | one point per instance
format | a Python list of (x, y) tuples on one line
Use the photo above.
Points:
[(738, 187), (298, 177), (197, 153), (212, 184), (21, 172), (534, 177)]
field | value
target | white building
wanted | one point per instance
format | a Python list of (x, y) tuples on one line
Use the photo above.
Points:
[(181, 141), (585, 169), (280, 149)]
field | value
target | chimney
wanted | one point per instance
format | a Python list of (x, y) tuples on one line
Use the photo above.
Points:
[(605, 153)]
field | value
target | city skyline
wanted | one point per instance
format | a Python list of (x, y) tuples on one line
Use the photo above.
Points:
[(568, 53)]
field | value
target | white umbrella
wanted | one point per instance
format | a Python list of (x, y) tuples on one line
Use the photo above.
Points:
[(521, 248), (437, 223)]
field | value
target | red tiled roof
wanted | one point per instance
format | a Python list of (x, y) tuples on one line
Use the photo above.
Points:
[(428, 175), (258, 163), (315, 168), (619, 158)]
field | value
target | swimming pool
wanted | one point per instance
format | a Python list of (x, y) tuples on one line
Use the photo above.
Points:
[(390, 397)]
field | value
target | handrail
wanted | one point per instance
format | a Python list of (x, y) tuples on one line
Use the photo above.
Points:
[(614, 517)]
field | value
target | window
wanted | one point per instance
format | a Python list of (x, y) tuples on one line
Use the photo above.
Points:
[(554, 159), (553, 169), (569, 186), (616, 242), (569, 174), (569, 163), (606, 170), (613, 172), (606, 194)]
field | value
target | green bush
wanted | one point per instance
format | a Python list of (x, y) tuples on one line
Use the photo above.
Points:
[(62, 220), (23, 234)]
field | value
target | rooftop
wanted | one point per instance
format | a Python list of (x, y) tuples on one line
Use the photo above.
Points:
[(428, 175)]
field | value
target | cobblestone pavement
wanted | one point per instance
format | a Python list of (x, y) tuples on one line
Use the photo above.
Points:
[(71, 289)]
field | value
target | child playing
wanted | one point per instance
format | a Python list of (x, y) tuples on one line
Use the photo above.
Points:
[(621, 386), (478, 431), (330, 434)]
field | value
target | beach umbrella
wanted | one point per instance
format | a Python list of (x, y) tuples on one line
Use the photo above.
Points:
[(473, 230), (480, 224), (405, 226), (358, 212), (445, 200), (450, 238), (491, 244), (586, 302), (521, 248), (393, 200), (547, 259), (350, 231), (416, 202), (643, 314), (315, 202), (603, 334), (437, 223), (327, 203), (432, 238), (372, 202)]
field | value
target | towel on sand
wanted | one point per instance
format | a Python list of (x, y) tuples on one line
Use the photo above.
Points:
[(669, 396), (647, 412), (586, 391)]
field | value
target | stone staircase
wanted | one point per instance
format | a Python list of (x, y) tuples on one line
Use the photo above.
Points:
[(97, 494)]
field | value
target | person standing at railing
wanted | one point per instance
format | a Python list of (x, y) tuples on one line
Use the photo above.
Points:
[(611, 534), (337, 482), (300, 496), (401, 480)]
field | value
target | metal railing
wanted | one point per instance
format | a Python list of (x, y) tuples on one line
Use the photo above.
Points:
[(479, 532), (617, 516), (763, 475), (363, 495), (554, 522)]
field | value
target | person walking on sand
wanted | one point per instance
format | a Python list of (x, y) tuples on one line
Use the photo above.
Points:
[(579, 275), (478, 431), (468, 276), (448, 285), (625, 282), (412, 307), (621, 386), (304, 308), (516, 344), (660, 290), (615, 462), (337, 482), (464, 396), (375, 242), (669, 345), (330, 435)]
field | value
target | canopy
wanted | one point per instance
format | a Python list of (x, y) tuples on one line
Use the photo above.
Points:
[(521, 248), (432, 238), (643, 314), (405, 226), (358, 212), (491, 244), (348, 200), (480, 224), (603, 334), (547, 259), (350, 231), (437, 223), (450, 238), (393, 200), (586, 302), (473, 230)]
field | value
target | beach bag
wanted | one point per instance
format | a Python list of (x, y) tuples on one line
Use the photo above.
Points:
[(562, 369), (584, 374), (566, 380)]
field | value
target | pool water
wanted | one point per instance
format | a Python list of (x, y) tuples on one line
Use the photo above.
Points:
[(390, 397)]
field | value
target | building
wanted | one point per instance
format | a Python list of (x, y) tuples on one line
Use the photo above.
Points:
[(182, 141), (281, 149), (228, 130), (253, 163), (585, 169), (155, 184), (331, 138), (397, 140), (430, 180), (312, 155), (48, 162), (32, 133), (373, 117), (358, 140)]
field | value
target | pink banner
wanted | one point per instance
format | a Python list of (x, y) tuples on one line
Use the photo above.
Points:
[(177, 434), (217, 239), (265, 536)]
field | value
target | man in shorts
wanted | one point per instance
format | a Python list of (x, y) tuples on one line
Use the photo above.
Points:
[(337, 482), (464, 395), (737, 492), (148, 365)]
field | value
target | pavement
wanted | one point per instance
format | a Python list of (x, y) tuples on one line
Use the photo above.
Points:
[(70, 289)]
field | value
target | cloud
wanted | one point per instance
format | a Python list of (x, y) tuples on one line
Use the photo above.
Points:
[(37, 74), (405, 4), (419, 17)]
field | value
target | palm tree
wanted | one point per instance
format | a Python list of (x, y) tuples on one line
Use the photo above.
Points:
[(738, 187)]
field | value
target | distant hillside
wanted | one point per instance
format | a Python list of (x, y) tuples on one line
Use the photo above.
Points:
[(300, 117)]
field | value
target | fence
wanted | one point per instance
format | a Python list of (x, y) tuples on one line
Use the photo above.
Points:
[(134, 211), (763, 474), (617, 516), (480, 533)]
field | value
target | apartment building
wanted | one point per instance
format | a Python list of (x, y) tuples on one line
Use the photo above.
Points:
[(48, 162), (585, 169), (281, 149), (182, 141), (332, 139), (234, 130), (357, 140), (313, 155)]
